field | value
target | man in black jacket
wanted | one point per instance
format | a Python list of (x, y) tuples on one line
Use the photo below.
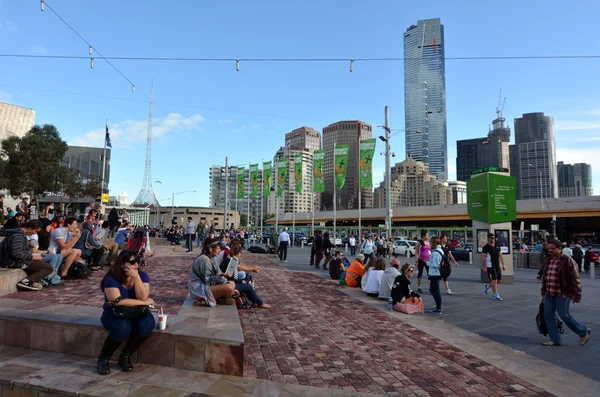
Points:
[(14, 222), (318, 248), (16, 253)]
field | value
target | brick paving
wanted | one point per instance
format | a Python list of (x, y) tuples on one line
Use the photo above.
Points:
[(317, 335)]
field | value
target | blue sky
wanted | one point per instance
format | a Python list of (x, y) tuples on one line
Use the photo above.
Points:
[(206, 111)]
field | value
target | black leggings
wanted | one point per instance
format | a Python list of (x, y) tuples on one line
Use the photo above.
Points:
[(422, 264)]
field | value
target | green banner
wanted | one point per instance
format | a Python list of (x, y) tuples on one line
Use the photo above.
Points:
[(254, 179), (240, 182), (340, 162), (267, 178), (318, 179), (298, 171), (367, 150), (281, 175)]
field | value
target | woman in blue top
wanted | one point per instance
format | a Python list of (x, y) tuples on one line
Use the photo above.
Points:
[(368, 248), (124, 285)]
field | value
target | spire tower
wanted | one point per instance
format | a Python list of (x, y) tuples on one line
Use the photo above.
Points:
[(146, 195)]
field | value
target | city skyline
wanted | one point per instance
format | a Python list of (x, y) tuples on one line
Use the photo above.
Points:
[(208, 111)]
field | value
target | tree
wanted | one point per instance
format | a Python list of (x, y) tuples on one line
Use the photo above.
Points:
[(74, 184), (31, 164), (269, 216), (243, 219)]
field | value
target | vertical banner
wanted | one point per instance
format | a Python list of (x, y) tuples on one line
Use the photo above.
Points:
[(318, 179), (240, 183), (340, 162), (254, 179), (267, 178), (281, 175), (367, 150), (298, 172)]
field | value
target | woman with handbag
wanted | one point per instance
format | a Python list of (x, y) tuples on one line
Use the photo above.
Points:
[(403, 297), (126, 312)]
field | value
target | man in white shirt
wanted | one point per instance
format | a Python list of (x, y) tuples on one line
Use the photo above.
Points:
[(352, 242), (62, 240), (566, 251), (190, 231), (283, 242), (91, 206)]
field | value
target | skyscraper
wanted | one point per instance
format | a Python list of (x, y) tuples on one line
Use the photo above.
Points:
[(349, 132), (304, 137), (492, 151), (533, 156), (574, 180), (425, 95)]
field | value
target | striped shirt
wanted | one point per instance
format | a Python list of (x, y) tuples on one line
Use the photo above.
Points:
[(552, 280)]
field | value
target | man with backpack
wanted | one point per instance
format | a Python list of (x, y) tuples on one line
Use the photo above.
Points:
[(561, 285), (491, 257), (15, 253)]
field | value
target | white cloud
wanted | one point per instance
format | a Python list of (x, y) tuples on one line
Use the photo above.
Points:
[(129, 131), (585, 154), (8, 27), (576, 125)]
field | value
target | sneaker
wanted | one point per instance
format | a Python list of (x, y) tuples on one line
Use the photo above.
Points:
[(449, 291), (27, 284), (285, 261), (486, 289), (585, 338), (433, 310), (419, 290), (497, 297)]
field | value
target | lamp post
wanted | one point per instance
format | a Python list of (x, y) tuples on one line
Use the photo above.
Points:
[(540, 183), (173, 200)]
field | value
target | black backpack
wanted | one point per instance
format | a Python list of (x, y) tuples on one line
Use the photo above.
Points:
[(79, 271)]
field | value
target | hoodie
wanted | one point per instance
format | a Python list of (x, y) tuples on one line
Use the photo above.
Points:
[(387, 282), (16, 252)]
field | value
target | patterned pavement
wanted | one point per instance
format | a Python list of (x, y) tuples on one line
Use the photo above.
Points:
[(317, 335)]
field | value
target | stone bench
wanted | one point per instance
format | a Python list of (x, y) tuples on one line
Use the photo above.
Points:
[(197, 338), (9, 279)]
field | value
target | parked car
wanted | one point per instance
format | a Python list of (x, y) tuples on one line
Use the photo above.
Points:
[(299, 238), (405, 248), (346, 240), (461, 253), (266, 236), (337, 241), (453, 243)]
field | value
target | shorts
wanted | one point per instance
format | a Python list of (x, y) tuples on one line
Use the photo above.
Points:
[(422, 265), (494, 273)]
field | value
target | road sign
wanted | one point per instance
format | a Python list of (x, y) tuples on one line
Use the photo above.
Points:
[(382, 226), (492, 198), (535, 228)]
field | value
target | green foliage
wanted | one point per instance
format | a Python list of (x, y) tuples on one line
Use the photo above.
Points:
[(31, 164), (72, 183), (243, 219)]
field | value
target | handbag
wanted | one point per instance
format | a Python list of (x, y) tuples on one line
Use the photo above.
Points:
[(129, 312)]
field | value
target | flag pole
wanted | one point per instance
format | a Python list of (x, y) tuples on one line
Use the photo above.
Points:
[(104, 162), (262, 187)]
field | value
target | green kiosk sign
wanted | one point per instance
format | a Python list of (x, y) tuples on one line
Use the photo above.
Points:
[(492, 198)]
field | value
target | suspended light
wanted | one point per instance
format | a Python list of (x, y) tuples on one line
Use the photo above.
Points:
[(90, 50), (351, 65), (42, 5), (133, 88), (92, 63), (237, 65)]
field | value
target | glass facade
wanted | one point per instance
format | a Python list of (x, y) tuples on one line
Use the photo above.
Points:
[(425, 96), (574, 180)]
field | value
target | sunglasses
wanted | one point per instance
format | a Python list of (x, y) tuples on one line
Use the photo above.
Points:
[(132, 262), (411, 270)]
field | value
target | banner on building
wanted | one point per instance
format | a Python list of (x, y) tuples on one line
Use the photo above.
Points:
[(281, 175), (298, 172), (340, 163), (267, 178), (367, 150), (240, 183), (318, 179), (254, 179)]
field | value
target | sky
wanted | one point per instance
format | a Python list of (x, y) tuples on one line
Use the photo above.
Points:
[(205, 111)]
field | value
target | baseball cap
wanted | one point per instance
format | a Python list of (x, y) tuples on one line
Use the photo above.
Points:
[(491, 235)]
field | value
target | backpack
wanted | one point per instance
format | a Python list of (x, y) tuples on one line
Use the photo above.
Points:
[(242, 302), (445, 267), (79, 271), (541, 322), (5, 260), (224, 264)]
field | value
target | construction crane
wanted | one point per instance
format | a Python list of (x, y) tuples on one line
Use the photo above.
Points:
[(501, 104)]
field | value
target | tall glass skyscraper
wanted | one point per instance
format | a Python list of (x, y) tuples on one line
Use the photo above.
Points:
[(425, 95)]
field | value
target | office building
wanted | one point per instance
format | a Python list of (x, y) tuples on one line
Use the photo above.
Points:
[(293, 201), (491, 151), (15, 120), (345, 132), (413, 186), (459, 192), (304, 137), (240, 205), (425, 95), (574, 180), (533, 157)]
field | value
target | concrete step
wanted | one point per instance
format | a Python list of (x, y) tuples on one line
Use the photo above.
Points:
[(9, 279)]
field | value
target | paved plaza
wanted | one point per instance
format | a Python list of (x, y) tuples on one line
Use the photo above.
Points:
[(322, 339)]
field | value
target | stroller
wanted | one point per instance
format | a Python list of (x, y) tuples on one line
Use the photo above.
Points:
[(541, 322), (137, 243)]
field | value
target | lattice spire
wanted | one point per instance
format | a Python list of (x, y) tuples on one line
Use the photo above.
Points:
[(146, 195)]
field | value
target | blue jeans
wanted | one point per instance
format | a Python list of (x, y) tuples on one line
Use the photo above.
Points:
[(53, 260), (199, 242), (554, 304), (190, 242), (120, 329), (248, 290), (434, 288)]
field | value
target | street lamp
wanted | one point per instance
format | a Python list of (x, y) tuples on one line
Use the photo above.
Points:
[(540, 182), (173, 200)]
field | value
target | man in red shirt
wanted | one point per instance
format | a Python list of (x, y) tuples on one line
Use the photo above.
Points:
[(561, 285)]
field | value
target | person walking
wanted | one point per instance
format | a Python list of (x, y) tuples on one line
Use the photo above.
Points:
[(318, 247), (113, 221), (352, 242), (200, 231), (190, 232), (447, 256), (561, 285), (327, 246), (578, 256), (422, 253), (283, 242), (491, 257), (368, 248), (434, 274)]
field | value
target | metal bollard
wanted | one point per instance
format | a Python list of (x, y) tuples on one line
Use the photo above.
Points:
[(346, 248), (470, 258), (302, 243), (592, 270)]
